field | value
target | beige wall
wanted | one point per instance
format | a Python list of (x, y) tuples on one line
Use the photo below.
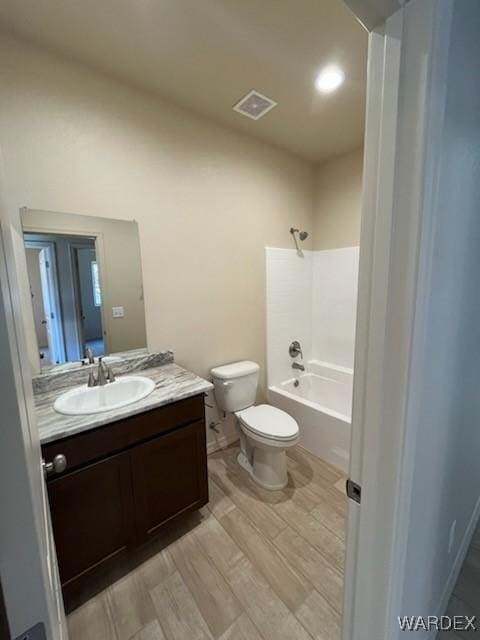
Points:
[(338, 202), (207, 200)]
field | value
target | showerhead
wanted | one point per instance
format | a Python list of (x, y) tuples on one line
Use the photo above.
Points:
[(303, 235)]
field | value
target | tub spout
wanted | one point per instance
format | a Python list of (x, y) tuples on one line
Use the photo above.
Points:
[(296, 365)]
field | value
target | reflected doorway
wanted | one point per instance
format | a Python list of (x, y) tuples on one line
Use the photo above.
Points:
[(66, 294), (88, 297), (43, 277)]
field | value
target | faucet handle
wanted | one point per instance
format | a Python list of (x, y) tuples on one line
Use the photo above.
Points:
[(295, 349)]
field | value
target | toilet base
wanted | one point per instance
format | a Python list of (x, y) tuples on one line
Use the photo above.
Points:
[(268, 467)]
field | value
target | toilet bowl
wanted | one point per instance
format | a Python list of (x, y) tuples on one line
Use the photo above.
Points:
[(265, 435), (265, 431)]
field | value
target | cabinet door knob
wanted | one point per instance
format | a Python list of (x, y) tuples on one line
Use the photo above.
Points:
[(58, 465)]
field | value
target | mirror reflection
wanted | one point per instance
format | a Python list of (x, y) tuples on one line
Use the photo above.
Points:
[(85, 285)]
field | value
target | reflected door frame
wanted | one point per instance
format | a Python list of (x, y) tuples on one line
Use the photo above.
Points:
[(51, 298), (79, 311)]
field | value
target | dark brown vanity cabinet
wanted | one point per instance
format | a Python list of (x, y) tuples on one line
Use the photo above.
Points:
[(122, 484)]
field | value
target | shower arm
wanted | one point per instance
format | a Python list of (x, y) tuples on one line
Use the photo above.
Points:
[(294, 232)]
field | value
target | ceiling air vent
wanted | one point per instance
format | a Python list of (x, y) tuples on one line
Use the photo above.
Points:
[(254, 105)]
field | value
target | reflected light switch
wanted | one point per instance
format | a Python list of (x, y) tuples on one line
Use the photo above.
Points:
[(118, 312)]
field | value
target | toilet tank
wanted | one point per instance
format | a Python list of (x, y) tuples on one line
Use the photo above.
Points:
[(235, 385)]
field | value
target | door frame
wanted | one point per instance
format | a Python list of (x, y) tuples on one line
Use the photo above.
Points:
[(28, 568), (375, 240), (74, 247), (406, 97), (53, 286)]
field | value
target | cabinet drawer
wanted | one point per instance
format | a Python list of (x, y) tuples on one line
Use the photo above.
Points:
[(92, 445)]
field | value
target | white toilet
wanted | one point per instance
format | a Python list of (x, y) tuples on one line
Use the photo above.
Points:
[(265, 431)]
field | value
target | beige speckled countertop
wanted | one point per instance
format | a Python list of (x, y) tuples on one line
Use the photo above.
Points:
[(172, 383)]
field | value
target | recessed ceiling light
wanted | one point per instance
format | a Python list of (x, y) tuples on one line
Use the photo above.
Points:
[(329, 79)]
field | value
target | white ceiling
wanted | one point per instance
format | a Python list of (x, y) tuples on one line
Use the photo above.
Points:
[(206, 54), (372, 13)]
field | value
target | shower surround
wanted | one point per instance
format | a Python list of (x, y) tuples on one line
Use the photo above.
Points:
[(312, 298)]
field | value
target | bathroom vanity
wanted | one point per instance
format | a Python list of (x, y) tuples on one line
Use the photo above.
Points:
[(126, 478)]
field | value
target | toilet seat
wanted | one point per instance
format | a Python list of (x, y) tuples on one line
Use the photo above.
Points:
[(269, 422)]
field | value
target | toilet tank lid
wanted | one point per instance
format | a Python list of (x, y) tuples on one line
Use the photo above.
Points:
[(235, 370)]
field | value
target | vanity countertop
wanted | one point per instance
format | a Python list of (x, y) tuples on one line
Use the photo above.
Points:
[(172, 383)]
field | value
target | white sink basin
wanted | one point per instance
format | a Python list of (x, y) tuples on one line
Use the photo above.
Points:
[(84, 400)]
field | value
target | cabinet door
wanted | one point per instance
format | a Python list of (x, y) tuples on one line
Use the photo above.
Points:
[(92, 515), (169, 477)]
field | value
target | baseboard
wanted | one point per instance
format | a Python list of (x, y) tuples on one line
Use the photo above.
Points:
[(459, 560), (221, 442)]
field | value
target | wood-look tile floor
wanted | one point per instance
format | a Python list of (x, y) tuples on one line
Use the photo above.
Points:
[(465, 600), (252, 565)]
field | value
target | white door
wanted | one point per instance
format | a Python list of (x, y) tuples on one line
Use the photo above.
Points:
[(49, 310), (406, 98), (51, 301), (28, 567)]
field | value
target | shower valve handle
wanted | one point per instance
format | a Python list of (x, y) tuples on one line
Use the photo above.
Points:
[(295, 349)]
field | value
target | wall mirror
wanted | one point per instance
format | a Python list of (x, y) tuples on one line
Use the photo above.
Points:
[(85, 278)]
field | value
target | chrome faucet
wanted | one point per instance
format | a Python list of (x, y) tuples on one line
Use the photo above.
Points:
[(101, 374), (104, 375), (296, 365)]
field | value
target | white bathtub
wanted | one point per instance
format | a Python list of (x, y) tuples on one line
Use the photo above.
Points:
[(322, 406)]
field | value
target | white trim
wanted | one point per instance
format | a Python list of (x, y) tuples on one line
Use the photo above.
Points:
[(424, 223), (28, 569), (382, 92), (398, 211)]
